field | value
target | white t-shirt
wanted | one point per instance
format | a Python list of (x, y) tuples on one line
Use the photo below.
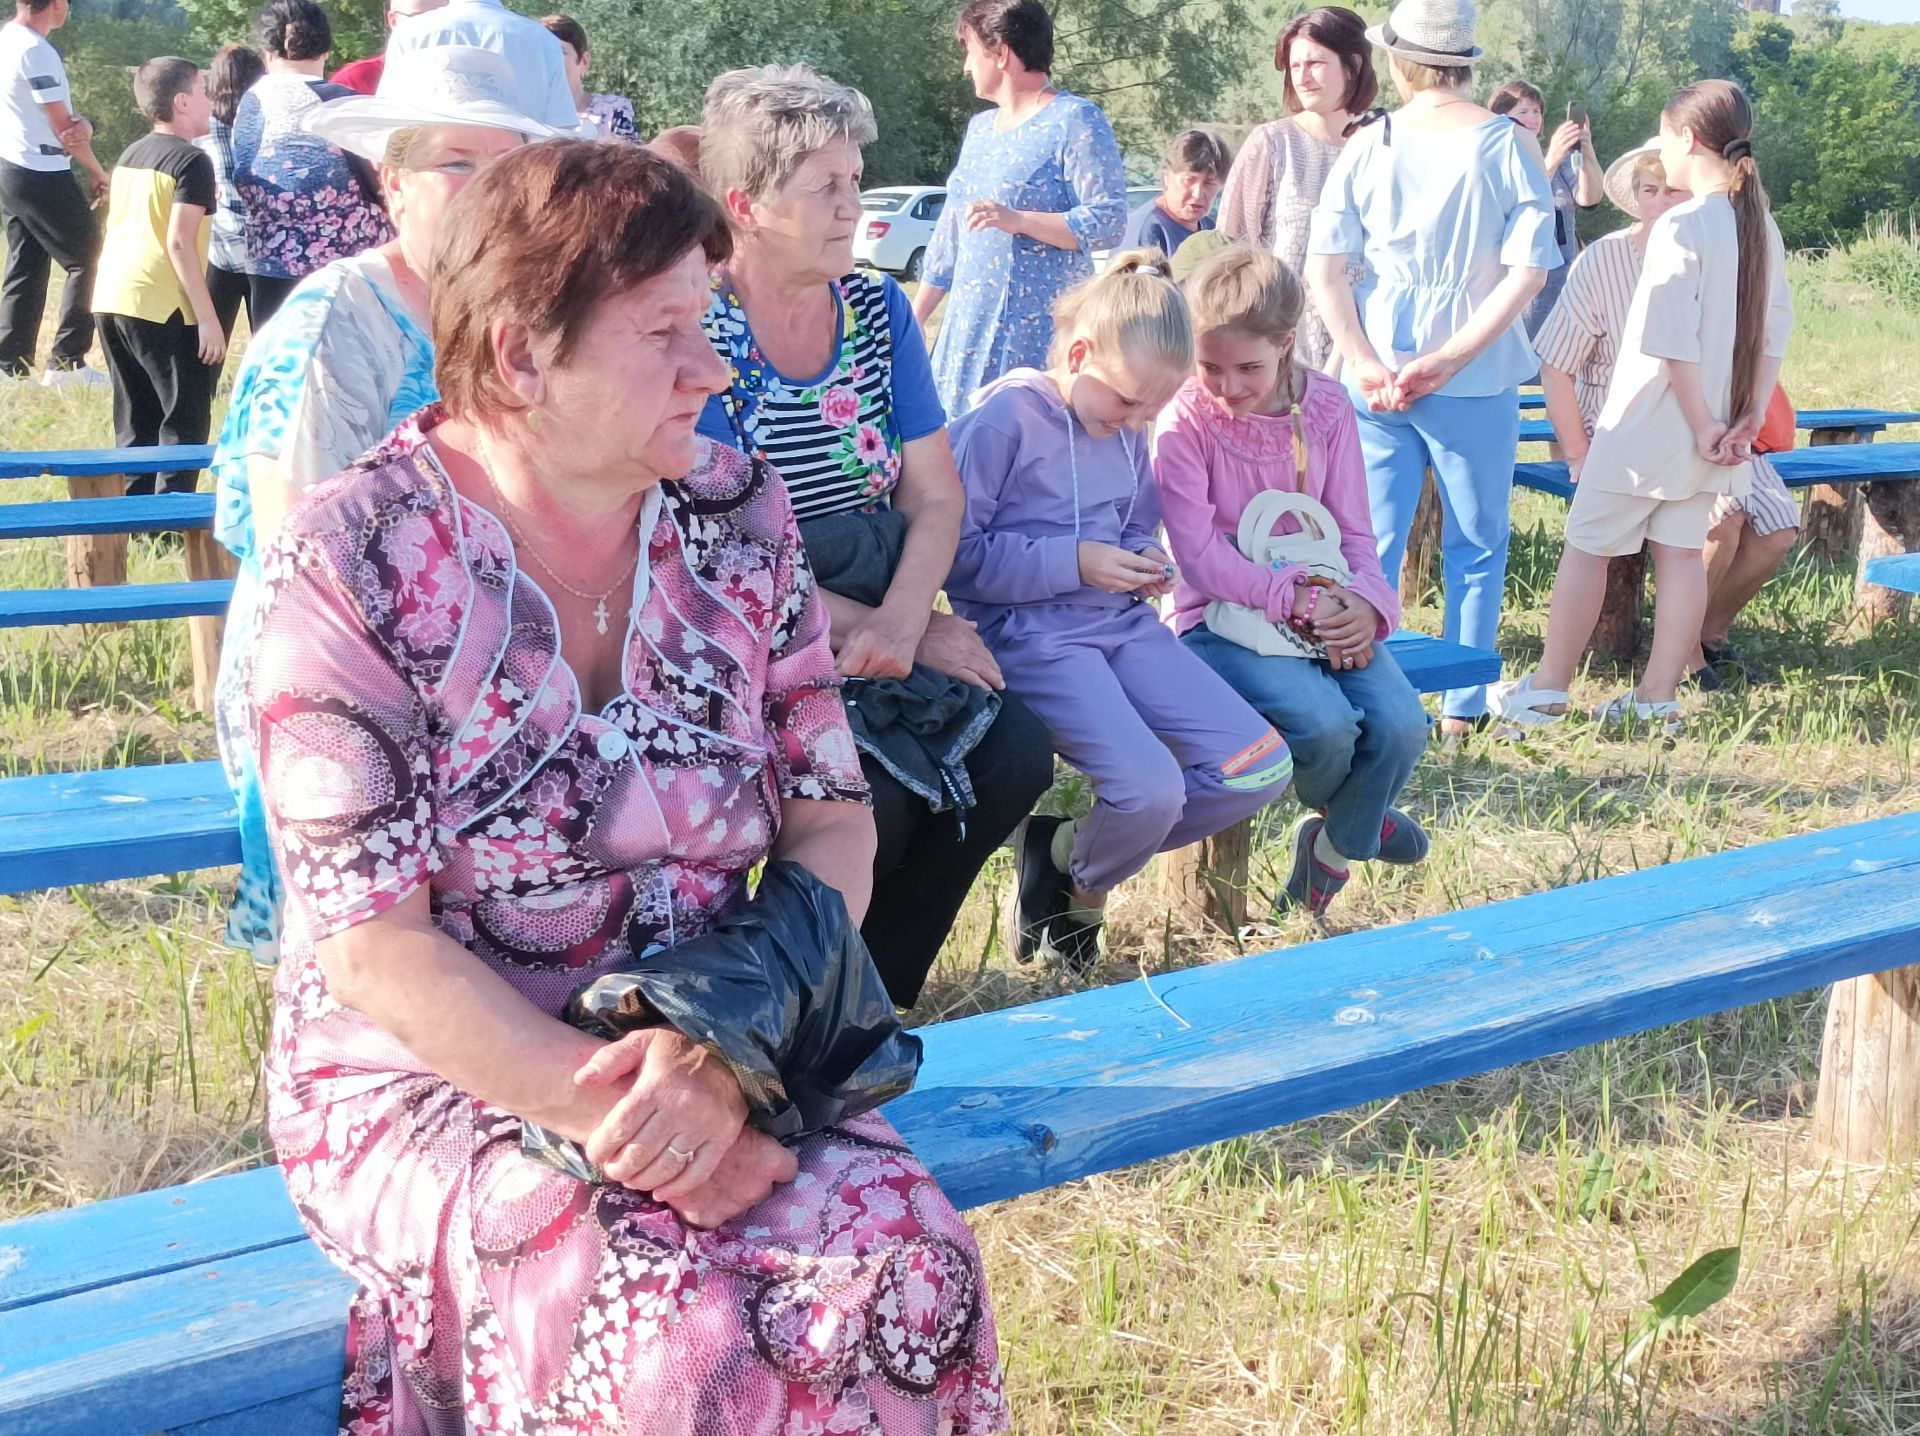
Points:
[(31, 75), (1683, 308)]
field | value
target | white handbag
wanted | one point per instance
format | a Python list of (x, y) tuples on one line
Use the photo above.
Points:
[(1315, 547)]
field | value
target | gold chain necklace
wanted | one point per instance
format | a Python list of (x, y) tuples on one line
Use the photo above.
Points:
[(598, 600)]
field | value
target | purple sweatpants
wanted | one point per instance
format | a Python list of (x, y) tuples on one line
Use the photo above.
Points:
[(1174, 753)]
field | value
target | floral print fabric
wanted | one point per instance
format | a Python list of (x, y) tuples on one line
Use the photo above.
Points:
[(1001, 287), (416, 724), (305, 205)]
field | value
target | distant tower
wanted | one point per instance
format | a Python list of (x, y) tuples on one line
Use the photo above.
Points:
[(1764, 7)]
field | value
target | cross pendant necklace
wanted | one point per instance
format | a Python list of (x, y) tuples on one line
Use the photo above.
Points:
[(598, 600)]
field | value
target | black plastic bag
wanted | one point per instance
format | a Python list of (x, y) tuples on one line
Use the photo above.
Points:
[(783, 991)]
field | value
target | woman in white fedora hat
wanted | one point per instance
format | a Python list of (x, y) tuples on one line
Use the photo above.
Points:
[(1448, 206), (342, 362)]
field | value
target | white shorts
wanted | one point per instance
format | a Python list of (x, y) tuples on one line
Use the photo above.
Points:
[(1608, 523), (1768, 505)]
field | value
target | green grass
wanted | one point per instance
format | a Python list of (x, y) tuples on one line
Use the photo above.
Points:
[(1467, 1259)]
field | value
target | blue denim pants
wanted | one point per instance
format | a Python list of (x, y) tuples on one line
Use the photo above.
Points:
[(1355, 734), (1470, 444)]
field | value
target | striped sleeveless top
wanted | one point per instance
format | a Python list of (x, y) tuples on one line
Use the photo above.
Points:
[(834, 441)]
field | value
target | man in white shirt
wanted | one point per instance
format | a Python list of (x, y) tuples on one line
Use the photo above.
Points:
[(47, 217), (539, 63)]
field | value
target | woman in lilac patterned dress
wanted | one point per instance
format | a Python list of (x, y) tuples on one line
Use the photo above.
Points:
[(306, 202), (1038, 188), (485, 793)]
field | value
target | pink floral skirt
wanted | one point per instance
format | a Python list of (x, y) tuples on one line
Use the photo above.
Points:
[(499, 1295)]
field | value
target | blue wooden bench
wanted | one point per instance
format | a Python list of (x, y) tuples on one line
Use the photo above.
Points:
[(204, 1309), (1798, 468), (140, 514), (61, 829), (103, 463), (117, 603), (1900, 571), (1847, 425)]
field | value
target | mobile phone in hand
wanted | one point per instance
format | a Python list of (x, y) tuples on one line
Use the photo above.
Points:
[(1576, 112)]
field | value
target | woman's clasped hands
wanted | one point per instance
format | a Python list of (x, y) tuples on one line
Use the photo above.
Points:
[(678, 1129)]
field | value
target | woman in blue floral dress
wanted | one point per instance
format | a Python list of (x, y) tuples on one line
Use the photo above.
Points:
[(1038, 188)]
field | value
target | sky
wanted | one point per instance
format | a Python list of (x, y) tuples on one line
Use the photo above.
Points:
[(1888, 10)]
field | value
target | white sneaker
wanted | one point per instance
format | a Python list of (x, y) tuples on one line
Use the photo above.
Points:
[(81, 376)]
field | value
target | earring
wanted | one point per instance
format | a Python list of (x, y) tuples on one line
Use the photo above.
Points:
[(533, 420)]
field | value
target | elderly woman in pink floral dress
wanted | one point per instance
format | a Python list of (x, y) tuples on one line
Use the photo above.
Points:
[(537, 683)]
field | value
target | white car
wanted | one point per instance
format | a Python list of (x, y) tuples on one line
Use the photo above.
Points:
[(896, 227)]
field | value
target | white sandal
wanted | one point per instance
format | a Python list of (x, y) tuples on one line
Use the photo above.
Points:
[(1667, 717), (1519, 702)]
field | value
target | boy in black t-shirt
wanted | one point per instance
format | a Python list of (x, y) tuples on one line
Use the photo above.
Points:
[(162, 339)]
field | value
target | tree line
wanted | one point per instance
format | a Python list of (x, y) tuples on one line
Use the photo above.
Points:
[(1837, 103)]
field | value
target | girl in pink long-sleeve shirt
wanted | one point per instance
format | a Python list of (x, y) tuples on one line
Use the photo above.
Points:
[(1239, 427)]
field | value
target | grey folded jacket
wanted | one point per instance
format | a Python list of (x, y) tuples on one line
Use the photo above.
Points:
[(919, 728)]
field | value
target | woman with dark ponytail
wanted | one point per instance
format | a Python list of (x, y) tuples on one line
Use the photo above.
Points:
[(1700, 356)]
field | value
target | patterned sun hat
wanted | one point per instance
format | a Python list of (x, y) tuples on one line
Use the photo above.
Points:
[(1430, 32)]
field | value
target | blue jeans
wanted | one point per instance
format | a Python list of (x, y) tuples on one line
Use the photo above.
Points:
[(1355, 734), (1470, 444)]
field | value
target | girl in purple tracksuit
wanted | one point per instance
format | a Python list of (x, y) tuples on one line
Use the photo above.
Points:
[(1058, 561)]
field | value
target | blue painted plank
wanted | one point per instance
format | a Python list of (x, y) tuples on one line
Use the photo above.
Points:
[(1812, 421), (1433, 665), (119, 603), (92, 463), (1532, 399), (316, 1411), (1014, 1101), (65, 828), (178, 1348), (1830, 464), (1898, 571), (61, 1254), (143, 513)]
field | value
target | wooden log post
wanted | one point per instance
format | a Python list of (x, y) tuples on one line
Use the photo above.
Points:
[(96, 560), (1890, 524), (1868, 1106), (1621, 632), (1209, 878), (206, 558), (1417, 578), (1830, 515)]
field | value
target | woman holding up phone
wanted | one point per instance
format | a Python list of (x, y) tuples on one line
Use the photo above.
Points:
[(1573, 170)]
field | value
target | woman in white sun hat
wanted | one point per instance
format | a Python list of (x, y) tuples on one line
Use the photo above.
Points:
[(1448, 206), (345, 359)]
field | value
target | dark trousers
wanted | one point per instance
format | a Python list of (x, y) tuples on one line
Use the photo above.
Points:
[(925, 865), (162, 393), (48, 221), (230, 289), (265, 294)]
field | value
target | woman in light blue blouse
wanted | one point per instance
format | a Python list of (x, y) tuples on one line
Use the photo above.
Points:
[(1038, 188), (1448, 206)]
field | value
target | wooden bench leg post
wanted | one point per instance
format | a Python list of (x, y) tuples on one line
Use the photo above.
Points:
[(1890, 524), (96, 560), (1620, 632), (1831, 514), (1423, 547), (1210, 878), (206, 558), (1868, 1106)]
